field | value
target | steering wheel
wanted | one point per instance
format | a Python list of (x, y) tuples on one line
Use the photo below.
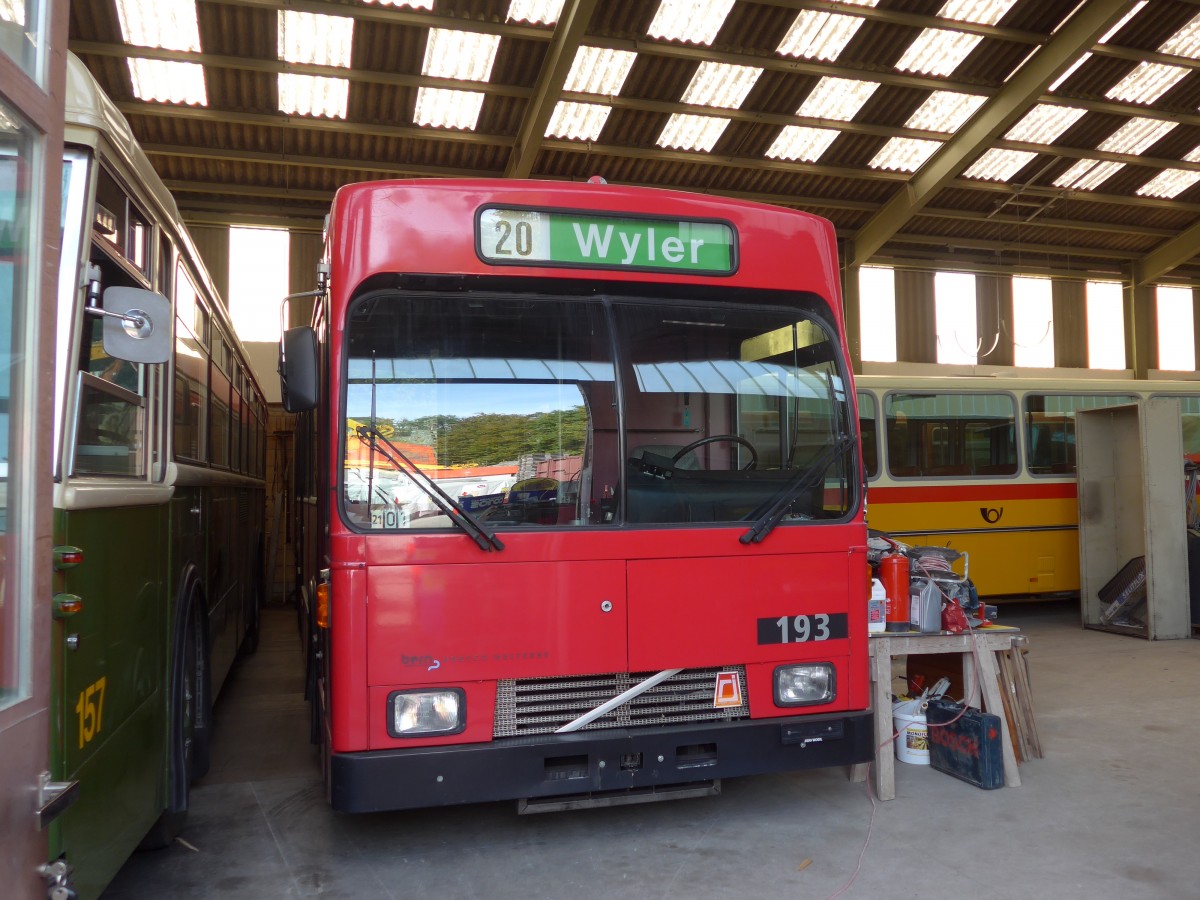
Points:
[(712, 439)]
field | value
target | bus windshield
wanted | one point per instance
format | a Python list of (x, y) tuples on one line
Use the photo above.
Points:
[(535, 411)]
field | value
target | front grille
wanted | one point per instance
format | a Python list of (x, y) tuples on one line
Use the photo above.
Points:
[(527, 706)]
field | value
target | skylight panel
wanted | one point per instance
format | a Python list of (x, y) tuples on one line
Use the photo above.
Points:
[(721, 85), (904, 154), (1146, 83), (315, 39), (313, 95), (464, 55), (412, 4), (168, 82), (12, 11), (577, 121), (691, 21), (1088, 174), (688, 132), (169, 24), (441, 108), (1044, 124), (535, 12), (1108, 35), (937, 51), (1136, 135), (1169, 183), (1071, 70), (837, 98), (945, 111), (1192, 155), (1184, 42), (819, 35), (999, 165), (598, 70), (981, 12), (802, 144)]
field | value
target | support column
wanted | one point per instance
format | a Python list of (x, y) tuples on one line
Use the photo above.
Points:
[(852, 307), (916, 318), (1141, 327), (1070, 324), (994, 318), (213, 244), (304, 253)]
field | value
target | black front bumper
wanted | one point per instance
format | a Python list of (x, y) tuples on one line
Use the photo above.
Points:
[(592, 762)]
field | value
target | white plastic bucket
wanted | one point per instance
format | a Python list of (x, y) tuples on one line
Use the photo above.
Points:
[(912, 745)]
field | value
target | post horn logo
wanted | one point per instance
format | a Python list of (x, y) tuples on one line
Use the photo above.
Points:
[(991, 516)]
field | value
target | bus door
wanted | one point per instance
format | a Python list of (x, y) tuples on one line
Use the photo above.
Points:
[(30, 160)]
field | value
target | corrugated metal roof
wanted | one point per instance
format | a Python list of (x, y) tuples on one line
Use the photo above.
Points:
[(241, 156)]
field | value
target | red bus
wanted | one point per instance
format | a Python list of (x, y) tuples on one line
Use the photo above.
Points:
[(661, 579)]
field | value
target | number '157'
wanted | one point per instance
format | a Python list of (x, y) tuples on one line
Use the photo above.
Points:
[(90, 710)]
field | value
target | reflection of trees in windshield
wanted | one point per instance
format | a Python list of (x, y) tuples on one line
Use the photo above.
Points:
[(487, 439)]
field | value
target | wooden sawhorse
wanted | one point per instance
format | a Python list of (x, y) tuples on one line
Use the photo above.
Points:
[(987, 687)]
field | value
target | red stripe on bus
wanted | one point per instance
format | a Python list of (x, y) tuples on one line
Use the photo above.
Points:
[(923, 493)]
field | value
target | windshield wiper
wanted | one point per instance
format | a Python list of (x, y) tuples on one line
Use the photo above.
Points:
[(467, 521), (801, 481)]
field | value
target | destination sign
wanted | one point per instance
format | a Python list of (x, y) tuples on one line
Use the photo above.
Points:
[(531, 237)]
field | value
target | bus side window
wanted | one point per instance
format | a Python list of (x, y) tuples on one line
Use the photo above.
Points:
[(110, 430)]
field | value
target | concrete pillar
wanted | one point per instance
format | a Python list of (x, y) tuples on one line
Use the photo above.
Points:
[(213, 244), (1141, 327), (994, 318), (852, 307), (1070, 324), (304, 253), (916, 318)]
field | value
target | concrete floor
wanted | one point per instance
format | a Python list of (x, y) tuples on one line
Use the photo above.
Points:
[(1112, 811)]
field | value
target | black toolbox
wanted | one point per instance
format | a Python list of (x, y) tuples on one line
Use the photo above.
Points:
[(966, 744)]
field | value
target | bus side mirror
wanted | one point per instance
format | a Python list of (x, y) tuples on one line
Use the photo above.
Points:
[(137, 325), (299, 371)]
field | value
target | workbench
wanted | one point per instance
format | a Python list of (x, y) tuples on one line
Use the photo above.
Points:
[(885, 646)]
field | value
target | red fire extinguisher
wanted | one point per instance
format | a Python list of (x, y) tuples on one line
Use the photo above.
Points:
[(893, 572)]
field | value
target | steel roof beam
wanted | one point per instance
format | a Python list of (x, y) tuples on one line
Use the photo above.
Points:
[(572, 24), (1167, 256), (1023, 89)]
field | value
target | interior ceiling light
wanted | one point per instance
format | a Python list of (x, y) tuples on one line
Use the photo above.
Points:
[(168, 82), (1044, 123), (1088, 174), (945, 111), (598, 70), (999, 165), (169, 24), (1169, 183), (535, 12), (691, 21), (904, 154), (800, 143), (1147, 82), (315, 39), (1184, 42), (313, 95), (981, 12), (937, 51), (688, 132), (721, 85), (441, 108), (1136, 136), (837, 98), (577, 121), (464, 55), (819, 35)]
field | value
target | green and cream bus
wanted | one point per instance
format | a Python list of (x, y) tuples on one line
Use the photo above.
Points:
[(159, 459)]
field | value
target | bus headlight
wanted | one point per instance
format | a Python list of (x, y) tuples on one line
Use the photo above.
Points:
[(808, 685), (426, 713)]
